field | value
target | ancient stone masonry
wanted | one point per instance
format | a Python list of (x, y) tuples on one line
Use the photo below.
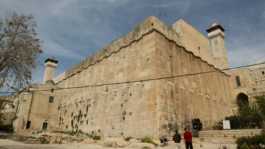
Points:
[(147, 83), (129, 87), (186, 96), (151, 24), (248, 82), (112, 111), (36, 107)]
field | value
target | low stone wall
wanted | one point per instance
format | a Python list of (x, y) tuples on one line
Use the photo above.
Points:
[(229, 133)]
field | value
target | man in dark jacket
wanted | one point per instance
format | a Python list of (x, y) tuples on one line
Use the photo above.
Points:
[(177, 139)]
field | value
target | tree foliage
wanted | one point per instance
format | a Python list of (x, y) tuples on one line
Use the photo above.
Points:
[(19, 48), (261, 105), (249, 116), (253, 142)]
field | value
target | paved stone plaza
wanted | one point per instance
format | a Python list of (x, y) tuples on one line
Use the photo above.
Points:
[(8, 144)]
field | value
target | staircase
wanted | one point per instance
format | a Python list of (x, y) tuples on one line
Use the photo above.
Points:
[(228, 134)]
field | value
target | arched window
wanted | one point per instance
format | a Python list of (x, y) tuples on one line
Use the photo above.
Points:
[(51, 99), (242, 100)]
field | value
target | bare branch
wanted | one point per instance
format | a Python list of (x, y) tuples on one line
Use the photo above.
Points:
[(19, 48)]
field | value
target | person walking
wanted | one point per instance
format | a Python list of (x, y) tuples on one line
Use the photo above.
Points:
[(188, 139), (177, 139)]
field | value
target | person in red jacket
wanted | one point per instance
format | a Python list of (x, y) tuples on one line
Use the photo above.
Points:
[(188, 139)]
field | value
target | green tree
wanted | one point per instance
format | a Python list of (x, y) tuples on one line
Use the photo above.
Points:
[(250, 116), (261, 105)]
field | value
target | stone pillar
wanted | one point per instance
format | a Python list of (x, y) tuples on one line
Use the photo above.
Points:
[(50, 66)]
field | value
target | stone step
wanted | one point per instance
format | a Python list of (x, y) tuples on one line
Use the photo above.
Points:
[(232, 134)]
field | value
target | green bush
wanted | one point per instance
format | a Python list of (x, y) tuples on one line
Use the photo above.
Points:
[(255, 142), (244, 146), (242, 122), (250, 117), (261, 105)]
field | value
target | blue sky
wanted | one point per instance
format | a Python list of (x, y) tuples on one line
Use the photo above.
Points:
[(72, 29)]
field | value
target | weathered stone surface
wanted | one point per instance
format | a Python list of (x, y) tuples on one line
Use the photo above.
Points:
[(251, 82), (120, 109), (138, 86), (35, 107)]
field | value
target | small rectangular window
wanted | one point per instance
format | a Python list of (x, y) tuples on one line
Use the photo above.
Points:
[(263, 73), (28, 124), (51, 99), (238, 83), (44, 125)]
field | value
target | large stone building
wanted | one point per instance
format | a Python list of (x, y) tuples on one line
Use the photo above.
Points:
[(146, 83)]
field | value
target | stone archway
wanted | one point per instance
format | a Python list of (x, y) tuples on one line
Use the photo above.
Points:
[(242, 100)]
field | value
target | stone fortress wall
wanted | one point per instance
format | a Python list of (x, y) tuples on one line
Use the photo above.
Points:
[(126, 95)]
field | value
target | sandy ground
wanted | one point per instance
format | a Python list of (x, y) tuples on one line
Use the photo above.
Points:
[(9, 144)]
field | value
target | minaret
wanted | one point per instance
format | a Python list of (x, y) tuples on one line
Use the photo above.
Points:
[(50, 66), (216, 37)]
